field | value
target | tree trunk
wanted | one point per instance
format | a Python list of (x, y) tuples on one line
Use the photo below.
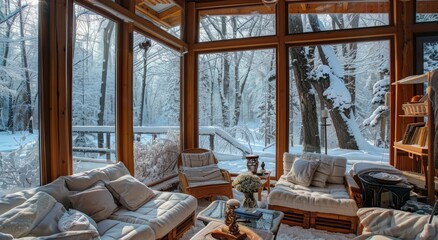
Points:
[(300, 65), (225, 81), (107, 32), (27, 95), (339, 118), (143, 87), (240, 86)]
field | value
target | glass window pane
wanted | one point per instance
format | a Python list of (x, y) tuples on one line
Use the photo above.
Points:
[(234, 23), (320, 16), (237, 111), (19, 98), (426, 11), (94, 90), (350, 80), (430, 54), (156, 99), (167, 16)]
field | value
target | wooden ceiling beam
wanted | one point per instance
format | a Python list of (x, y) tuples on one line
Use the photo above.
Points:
[(151, 14), (149, 28), (170, 13)]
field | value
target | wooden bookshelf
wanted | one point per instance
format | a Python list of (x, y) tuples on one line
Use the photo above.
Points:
[(421, 159)]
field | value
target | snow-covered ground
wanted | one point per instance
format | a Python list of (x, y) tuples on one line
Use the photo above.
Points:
[(10, 142)]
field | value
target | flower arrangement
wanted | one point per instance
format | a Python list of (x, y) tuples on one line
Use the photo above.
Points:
[(247, 183)]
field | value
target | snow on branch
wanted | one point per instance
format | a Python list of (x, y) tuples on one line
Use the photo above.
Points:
[(337, 93), (373, 120), (380, 88)]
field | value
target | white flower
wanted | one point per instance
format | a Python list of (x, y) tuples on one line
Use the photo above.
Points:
[(247, 183)]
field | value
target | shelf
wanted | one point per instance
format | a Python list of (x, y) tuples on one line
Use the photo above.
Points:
[(414, 149), (413, 115), (415, 79)]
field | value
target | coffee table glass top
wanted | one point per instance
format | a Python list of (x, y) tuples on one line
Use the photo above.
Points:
[(216, 212)]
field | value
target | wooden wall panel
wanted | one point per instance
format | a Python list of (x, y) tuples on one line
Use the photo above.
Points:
[(55, 107), (282, 136), (124, 123), (189, 91)]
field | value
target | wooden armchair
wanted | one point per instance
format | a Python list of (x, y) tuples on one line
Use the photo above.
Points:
[(205, 189)]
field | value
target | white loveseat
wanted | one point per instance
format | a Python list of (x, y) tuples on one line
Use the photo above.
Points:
[(331, 208), (166, 215)]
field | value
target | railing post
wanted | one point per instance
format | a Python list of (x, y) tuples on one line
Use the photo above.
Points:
[(211, 136), (108, 146)]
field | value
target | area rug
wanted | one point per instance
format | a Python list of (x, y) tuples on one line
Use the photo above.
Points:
[(285, 232)]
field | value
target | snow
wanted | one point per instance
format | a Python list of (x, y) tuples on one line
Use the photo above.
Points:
[(337, 93)]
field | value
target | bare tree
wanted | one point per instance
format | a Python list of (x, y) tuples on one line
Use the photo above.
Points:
[(107, 32)]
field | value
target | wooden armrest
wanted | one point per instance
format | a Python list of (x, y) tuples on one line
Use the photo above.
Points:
[(226, 174), (353, 190), (183, 181)]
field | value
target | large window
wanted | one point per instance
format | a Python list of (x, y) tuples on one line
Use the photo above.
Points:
[(346, 83), (234, 23), (94, 90), (19, 98), (156, 100), (237, 106), (320, 16)]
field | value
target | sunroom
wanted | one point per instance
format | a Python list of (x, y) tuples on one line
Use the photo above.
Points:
[(176, 101)]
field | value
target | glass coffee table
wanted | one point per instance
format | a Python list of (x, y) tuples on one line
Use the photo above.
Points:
[(270, 220)]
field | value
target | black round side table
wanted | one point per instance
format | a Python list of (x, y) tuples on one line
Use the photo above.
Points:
[(372, 190)]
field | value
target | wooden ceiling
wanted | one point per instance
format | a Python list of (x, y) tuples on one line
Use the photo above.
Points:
[(167, 13)]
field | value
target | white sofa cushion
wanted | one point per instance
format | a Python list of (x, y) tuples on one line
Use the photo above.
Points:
[(20, 221), (203, 174), (162, 213), (130, 192), (333, 198), (49, 224), (112, 229), (302, 172), (115, 171), (396, 223), (73, 220)]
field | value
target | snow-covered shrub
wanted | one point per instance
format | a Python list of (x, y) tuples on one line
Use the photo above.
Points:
[(157, 158), (20, 168)]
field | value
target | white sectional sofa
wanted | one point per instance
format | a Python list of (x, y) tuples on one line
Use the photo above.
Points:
[(164, 215), (331, 208)]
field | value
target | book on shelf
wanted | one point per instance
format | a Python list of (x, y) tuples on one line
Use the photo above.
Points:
[(415, 133), (253, 214)]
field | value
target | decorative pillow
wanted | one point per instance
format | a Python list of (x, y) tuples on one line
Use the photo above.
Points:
[(130, 192), (338, 166), (323, 171), (302, 172), (84, 180), (97, 202), (58, 190), (115, 171), (197, 159), (73, 220)]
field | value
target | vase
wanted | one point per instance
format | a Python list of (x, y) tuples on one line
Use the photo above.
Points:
[(252, 163), (249, 201)]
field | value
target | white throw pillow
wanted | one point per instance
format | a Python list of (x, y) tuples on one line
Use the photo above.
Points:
[(302, 172), (74, 220), (130, 192), (97, 202)]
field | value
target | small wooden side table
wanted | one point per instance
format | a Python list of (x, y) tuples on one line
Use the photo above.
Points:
[(266, 183), (205, 233)]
